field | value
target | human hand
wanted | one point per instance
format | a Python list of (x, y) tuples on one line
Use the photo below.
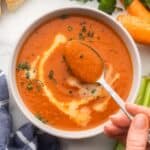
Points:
[(134, 134)]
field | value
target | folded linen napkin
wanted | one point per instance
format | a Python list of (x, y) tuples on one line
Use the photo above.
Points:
[(25, 138)]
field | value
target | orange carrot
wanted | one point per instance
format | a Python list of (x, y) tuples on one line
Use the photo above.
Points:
[(136, 8), (138, 28)]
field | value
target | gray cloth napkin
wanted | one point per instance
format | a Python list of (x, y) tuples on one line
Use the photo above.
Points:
[(25, 138)]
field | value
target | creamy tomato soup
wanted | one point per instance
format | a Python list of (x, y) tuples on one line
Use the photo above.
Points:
[(47, 86)]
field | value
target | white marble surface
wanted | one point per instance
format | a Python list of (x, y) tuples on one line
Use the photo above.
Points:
[(11, 27)]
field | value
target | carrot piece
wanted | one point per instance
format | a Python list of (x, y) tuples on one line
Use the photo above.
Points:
[(138, 28), (84, 62), (136, 8)]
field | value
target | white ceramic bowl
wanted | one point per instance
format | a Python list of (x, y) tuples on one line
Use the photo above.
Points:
[(133, 51)]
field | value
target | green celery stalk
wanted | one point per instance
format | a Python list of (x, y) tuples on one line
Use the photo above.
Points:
[(120, 146), (141, 94), (147, 96)]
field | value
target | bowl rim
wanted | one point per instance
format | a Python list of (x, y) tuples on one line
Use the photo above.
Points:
[(12, 84)]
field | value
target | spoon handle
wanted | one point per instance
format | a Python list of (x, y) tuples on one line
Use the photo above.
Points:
[(115, 97)]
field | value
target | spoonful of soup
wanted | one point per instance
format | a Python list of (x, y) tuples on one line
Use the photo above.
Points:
[(88, 66)]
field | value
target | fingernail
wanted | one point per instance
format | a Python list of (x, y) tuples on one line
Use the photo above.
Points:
[(140, 122)]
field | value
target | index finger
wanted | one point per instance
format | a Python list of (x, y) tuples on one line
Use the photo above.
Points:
[(135, 109), (120, 120)]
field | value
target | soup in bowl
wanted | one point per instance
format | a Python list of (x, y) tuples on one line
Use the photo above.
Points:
[(44, 85)]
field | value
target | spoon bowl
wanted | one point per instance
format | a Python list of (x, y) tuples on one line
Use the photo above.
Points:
[(86, 65)]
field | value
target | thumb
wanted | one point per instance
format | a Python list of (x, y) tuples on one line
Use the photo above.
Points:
[(138, 133)]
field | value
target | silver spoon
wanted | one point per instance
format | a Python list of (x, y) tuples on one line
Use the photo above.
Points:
[(76, 47)]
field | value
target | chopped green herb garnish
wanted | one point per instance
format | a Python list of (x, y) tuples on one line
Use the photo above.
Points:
[(64, 58), (51, 75), (84, 29), (81, 56), (90, 34), (64, 16), (39, 117), (23, 66), (70, 39), (69, 69), (70, 92), (29, 86), (93, 91), (27, 75), (69, 28), (81, 36)]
